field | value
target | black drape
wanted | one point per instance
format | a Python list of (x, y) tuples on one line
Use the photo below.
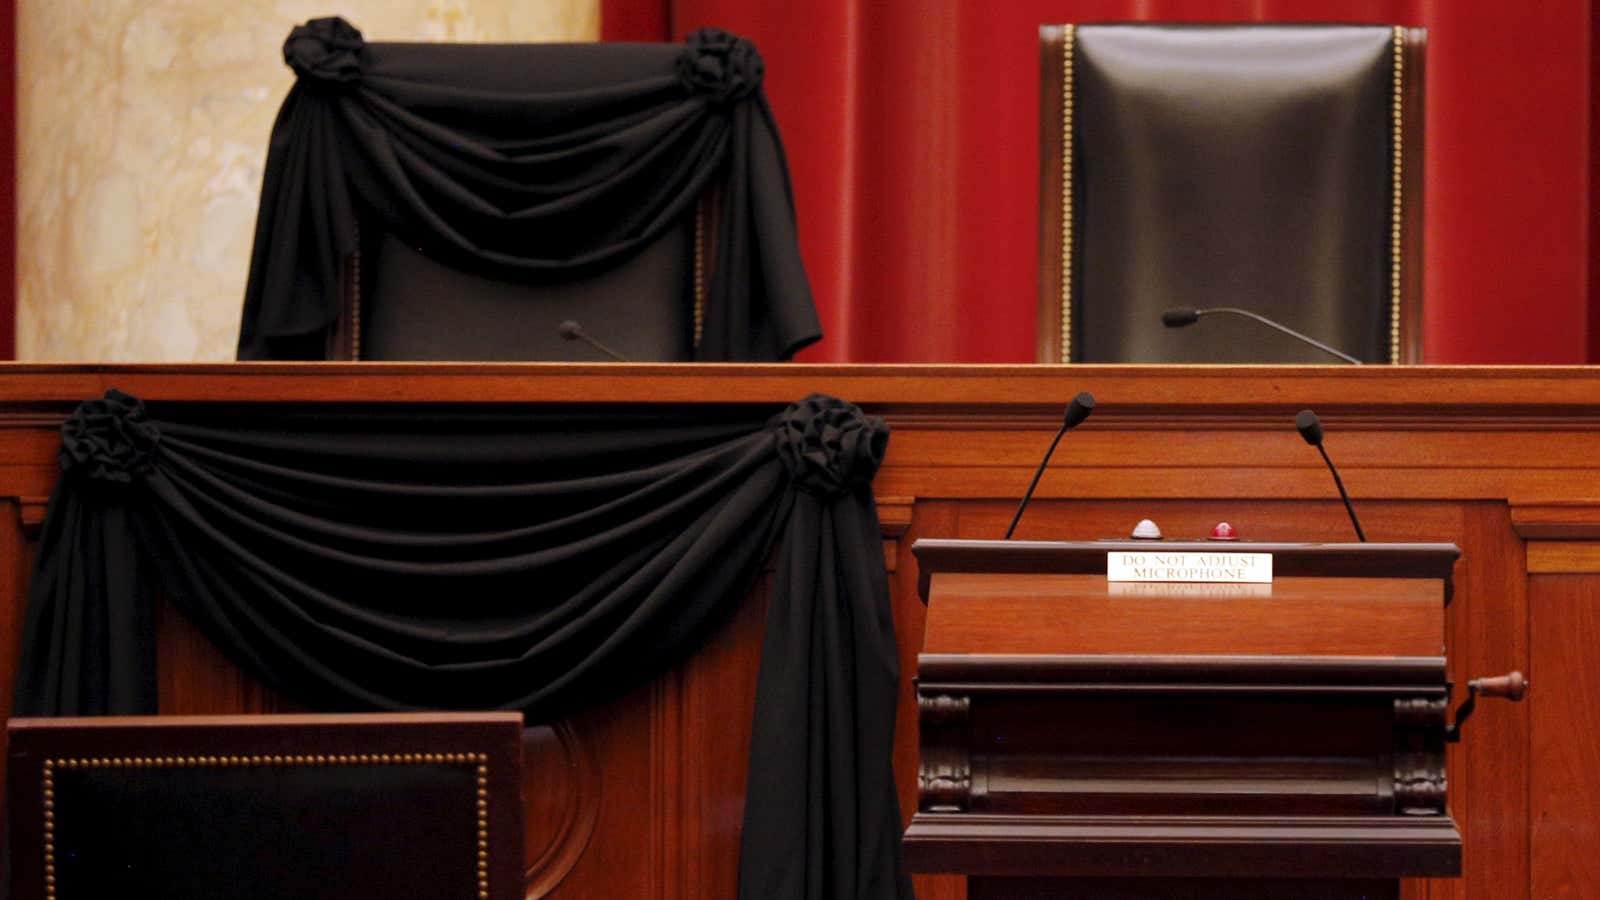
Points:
[(425, 558), (501, 160)]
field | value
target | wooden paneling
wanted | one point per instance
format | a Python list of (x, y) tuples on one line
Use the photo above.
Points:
[(194, 678), (1256, 520), (1556, 557), (1084, 614), (1564, 766), (1487, 634), (717, 700), (932, 519), (641, 795)]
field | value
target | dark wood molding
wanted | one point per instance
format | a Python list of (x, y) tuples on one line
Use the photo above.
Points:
[(1371, 560), (894, 519), (1198, 846), (1569, 520), (556, 842), (1420, 785), (30, 513), (978, 673), (944, 774), (1187, 888)]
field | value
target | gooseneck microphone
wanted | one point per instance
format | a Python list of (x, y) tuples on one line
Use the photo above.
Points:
[(572, 331), (1179, 317), (1078, 410), (1310, 428)]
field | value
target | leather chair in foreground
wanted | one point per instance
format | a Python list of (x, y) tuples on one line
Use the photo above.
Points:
[(1275, 168), (424, 806)]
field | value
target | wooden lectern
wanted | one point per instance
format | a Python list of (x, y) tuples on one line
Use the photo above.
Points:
[(1088, 738)]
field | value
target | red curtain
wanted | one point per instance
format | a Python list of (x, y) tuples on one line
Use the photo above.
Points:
[(912, 134), (1594, 183)]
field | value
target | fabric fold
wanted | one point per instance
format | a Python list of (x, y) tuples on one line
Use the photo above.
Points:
[(412, 558), (495, 160)]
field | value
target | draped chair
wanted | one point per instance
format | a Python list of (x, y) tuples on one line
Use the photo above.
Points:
[(483, 556), (1275, 168), (462, 201), (421, 805)]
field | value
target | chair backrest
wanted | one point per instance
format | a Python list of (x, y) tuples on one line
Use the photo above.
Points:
[(1276, 168), (402, 305), (427, 201), (423, 806)]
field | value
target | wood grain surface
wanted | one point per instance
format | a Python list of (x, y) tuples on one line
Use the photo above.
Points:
[(1490, 459), (1084, 614)]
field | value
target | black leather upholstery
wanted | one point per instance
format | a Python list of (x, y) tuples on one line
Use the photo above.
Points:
[(419, 309), (267, 832), (425, 806), (416, 308), (1244, 166)]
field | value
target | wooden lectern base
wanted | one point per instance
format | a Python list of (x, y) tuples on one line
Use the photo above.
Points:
[(990, 888), (1081, 737)]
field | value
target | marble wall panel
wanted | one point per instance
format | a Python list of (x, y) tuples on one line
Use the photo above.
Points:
[(142, 131)]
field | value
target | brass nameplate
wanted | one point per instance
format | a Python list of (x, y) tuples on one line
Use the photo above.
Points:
[(1208, 590), (1207, 566)]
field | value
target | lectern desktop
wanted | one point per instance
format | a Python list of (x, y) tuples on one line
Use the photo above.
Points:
[(1120, 739)]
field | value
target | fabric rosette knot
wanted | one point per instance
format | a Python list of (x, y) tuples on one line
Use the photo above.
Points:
[(325, 50), (722, 66), (109, 441), (828, 446)]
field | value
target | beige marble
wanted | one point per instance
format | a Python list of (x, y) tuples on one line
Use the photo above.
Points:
[(142, 131)]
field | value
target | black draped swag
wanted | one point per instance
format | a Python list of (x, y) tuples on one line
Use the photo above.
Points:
[(489, 159), (424, 558)]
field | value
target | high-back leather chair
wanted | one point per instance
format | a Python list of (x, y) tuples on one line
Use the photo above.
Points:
[(404, 305), (463, 201), (355, 807), (1274, 168), (400, 303)]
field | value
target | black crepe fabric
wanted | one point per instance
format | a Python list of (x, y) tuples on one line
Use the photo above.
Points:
[(525, 163), (498, 558)]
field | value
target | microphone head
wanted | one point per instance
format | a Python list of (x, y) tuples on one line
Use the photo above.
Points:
[(1179, 317), (1310, 427), (1079, 409), (569, 329)]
